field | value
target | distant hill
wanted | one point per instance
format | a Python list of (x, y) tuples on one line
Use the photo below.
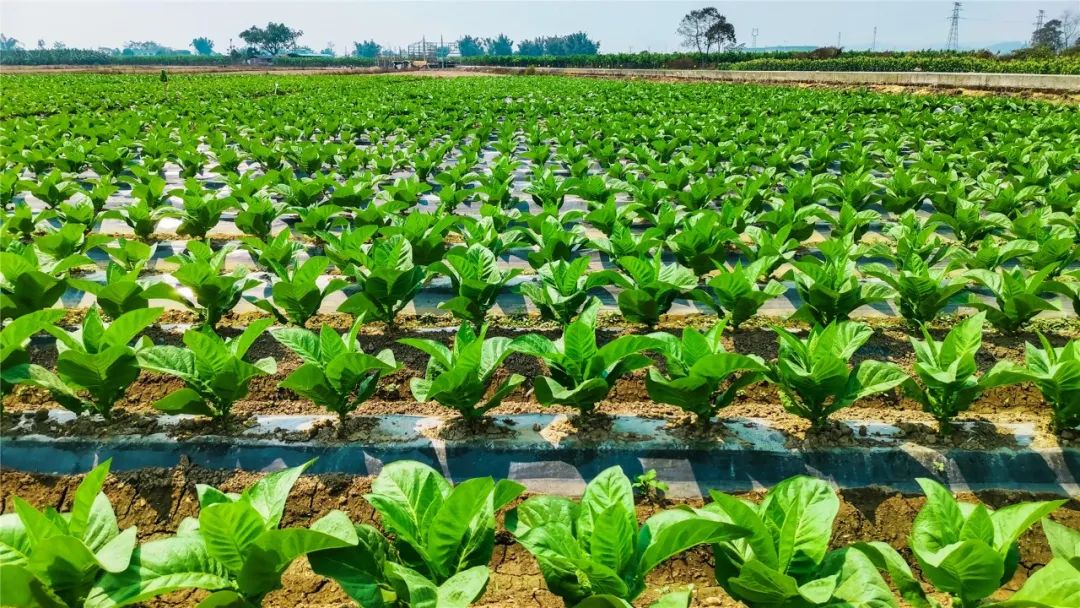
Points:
[(1005, 47)]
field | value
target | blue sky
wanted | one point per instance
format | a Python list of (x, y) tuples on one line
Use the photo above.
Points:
[(620, 26)]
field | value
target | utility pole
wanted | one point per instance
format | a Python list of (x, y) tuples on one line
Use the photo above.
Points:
[(953, 43), (873, 45), (754, 35), (1038, 25)]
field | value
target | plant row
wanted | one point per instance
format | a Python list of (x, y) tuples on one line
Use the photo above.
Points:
[(435, 543), (97, 363), (382, 269)]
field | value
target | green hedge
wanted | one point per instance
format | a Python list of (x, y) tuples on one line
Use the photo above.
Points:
[(88, 57), (927, 61), (1057, 65)]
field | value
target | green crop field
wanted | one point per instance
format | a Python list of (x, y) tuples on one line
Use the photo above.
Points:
[(222, 249)]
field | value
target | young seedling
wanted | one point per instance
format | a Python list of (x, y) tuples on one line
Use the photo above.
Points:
[(650, 488)]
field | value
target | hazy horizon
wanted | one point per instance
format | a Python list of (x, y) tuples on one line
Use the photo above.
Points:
[(627, 26)]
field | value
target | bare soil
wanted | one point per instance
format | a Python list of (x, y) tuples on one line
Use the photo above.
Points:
[(156, 500)]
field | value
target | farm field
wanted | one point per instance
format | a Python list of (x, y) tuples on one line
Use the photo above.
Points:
[(259, 269)]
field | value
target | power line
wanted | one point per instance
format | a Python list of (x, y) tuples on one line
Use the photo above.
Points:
[(953, 42)]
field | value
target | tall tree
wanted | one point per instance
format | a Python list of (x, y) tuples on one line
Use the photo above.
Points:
[(368, 48), (146, 47), (531, 48), (702, 28), (1048, 36), (272, 39), (719, 33), (470, 46), (203, 45), (577, 43), (1070, 28), (8, 44), (500, 46)]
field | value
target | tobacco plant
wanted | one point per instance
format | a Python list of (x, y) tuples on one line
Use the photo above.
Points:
[(1056, 373), (946, 371), (1018, 296), (15, 366), (235, 549), (596, 547), (387, 280), (28, 283), (830, 289), (784, 559), (443, 537), (96, 360), (476, 279), (459, 377), (213, 369), (922, 292), (201, 271), (969, 551), (561, 289), (59, 560), (296, 294), (336, 374), (582, 373), (735, 293), (649, 288), (701, 376), (813, 376)]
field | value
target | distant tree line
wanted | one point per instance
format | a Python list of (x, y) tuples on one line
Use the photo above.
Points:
[(577, 43)]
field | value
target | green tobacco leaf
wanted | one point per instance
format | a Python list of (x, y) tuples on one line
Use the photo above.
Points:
[(674, 531), (229, 528), (85, 496), (269, 494), (800, 512), (19, 587), (184, 401), (464, 588)]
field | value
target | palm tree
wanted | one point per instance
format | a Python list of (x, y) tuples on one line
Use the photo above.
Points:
[(8, 44)]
